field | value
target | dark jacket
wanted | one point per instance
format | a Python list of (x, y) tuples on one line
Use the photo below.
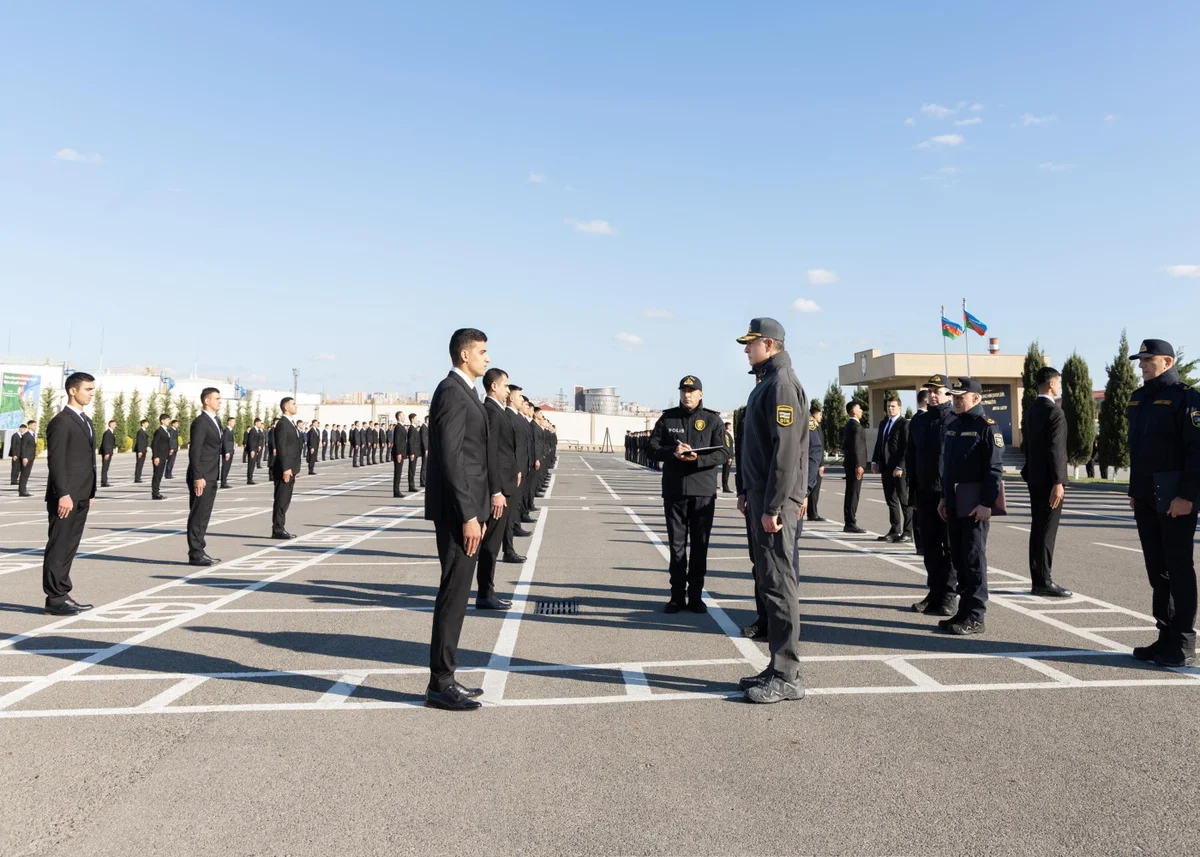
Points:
[(973, 452), (287, 449), (399, 441), (253, 439), (108, 442), (142, 442), (160, 444), (889, 451), (516, 422), (1164, 436), (775, 441), (28, 444), (854, 446), (204, 449), (816, 452), (503, 441), (70, 457), (456, 486), (227, 441), (698, 428), (1044, 442)]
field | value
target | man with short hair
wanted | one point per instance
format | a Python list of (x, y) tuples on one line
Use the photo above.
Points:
[(399, 454), (354, 444), (425, 447), (203, 471), (324, 442), (727, 467), (816, 461), (923, 463), (141, 445), (14, 452), (314, 441), (173, 448), (160, 450), (372, 442), (24, 449), (888, 461), (108, 445), (414, 449), (854, 449), (1044, 442), (516, 424), (227, 447), (253, 442), (70, 490), (503, 484), (285, 467)]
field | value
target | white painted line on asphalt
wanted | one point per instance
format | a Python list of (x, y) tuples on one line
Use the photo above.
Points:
[(1015, 527), (637, 686), (586, 464), (371, 609), (611, 492), (181, 688), (920, 679), (403, 562), (50, 651), (1118, 547), (905, 597), (1121, 628), (1049, 671), (342, 690), (1075, 610)]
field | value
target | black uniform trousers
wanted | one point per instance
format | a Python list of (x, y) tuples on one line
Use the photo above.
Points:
[(312, 462), (61, 544), (850, 505), (895, 494), (323, 447), (354, 456), (16, 471), (160, 470), (424, 458), (489, 552), (760, 606), (226, 465), (780, 591), (397, 476), (968, 553), (689, 519), (1167, 547), (726, 469), (813, 497), (916, 520), (282, 500), (511, 517), (1043, 530), (137, 468), (450, 608), (412, 475), (171, 464), (251, 463), (105, 461), (199, 511), (935, 547), (23, 478)]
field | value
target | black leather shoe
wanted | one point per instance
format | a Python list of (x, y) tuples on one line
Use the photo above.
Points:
[(902, 540), (533, 508), (1174, 657), (283, 535), (849, 529), (252, 482), (473, 692), (453, 698), (397, 496), (818, 520), (1148, 653), (513, 557), (226, 485), (1051, 590), (24, 494), (211, 559), (885, 538), (492, 603), (67, 607), (754, 631), (672, 607), (203, 562), (522, 533), (697, 606), (105, 485), (525, 519)]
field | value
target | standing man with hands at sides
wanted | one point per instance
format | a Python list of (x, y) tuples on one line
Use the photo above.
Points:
[(727, 467), (456, 500), (204, 468), (888, 461), (141, 444), (285, 467), (854, 447), (502, 485), (314, 443), (26, 449), (160, 450), (923, 461), (173, 449), (816, 462), (689, 488), (775, 459), (70, 489), (1044, 442), (108, 444), (415, 448), (1164, 483), (226, 451), (14, 452), (253, 443), (399, 454)]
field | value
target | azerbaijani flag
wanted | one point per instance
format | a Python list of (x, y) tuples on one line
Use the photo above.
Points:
[(973, 323), (950, 330)]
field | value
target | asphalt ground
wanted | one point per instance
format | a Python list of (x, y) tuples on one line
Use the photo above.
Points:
[(272, 704)]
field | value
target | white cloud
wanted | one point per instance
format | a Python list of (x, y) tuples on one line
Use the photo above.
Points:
[(1028, 119), (77, 157), (1110, 118), (976, 108), (937, 111), (942, 140), (1183, 270), (629, 340), (910, 121), (324, 357), (537, 178), (805, 305), (594, 227), (974, 120), (821, 277), (1056, 168), (651, 312), (942, 173)]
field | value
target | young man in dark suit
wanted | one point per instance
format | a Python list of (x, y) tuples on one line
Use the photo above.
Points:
[(14, 452), (314, 442), (424, 448), (71, 457), (854, 446), (141, 445), (285, 467), (203, 471), (414, 449), (457, 501), (226, 452), (253, 442), (399, 454), (517, 424), (502, 485), (354, 444), (160, 450), (173, 448), (28, 454), (1044, 442), (108, 445), (888, 461), (324, 443)]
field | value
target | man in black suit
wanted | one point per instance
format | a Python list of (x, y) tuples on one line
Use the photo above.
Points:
[(888, 461), (141, 445), (1044, 442), (424, 447), (253, 444), (521, 441), (456, 500), (28, 454), (854, 446), (14, 452), (227, 447), (531, 455), (399, 453), (108, 445), (503, 485), (354, 444), (285, 468), (70, 489), (269, 448), (203, 470), (413, 450), (324, 442), (173, 448), (314, 442), (160, 451)]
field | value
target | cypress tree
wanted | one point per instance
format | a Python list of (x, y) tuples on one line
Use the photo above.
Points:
[(1080, 409), (1186, 368), (1035, 359), (133, 421), (1114, 413), (49, 409), (835, 418), (863, 397), (184, 415), (119, 432), (99, 423)]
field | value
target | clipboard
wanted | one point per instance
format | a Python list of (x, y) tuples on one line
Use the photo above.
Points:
[(702, 449)]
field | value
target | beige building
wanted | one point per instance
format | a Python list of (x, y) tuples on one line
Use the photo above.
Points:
[(1000, 375)]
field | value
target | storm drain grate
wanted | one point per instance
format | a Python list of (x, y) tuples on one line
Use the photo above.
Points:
[(567, 607)]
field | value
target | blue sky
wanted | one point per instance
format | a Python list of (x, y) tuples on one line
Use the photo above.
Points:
[(610, 191)]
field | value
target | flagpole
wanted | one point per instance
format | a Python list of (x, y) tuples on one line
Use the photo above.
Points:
[(945, 352), (966, 339)]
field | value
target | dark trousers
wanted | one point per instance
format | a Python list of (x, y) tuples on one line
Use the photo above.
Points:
[(424, 458), (1167, 548), (450, 608), (283, 499), (16, 471), (160, 470), (779, 590), (251, 463), (312, 462), (916, 521), (760, 606), (895, 494), (323, 447), (850, 505), (226, 465), (489, 552), (940, 576), (412, 474), (374, 451), (689, 519), (199, 511), (354, 456), (23, 478), (397, 476), (105, 461), (511, 516), (61, 544), (137, 468), (1043, 530), (171, 456), (968, 552), (813, 496), (726, 469)]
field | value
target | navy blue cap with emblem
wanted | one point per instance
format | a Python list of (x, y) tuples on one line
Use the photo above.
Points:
[(966, 385), (936, 381), (1153, 348), (762, 328), (690, 381)]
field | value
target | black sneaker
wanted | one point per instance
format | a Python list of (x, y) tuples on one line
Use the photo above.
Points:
[(775, 689), (1148, 653), (755, 631), (752, 680), (697, 606), (673, 606), (1175, 658), (942, 606), (964, 627), (849, 529), (923, 605)]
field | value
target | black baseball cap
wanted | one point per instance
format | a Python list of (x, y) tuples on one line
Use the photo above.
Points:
[(937, 381), (762, 328), (1153, 348), (966, 385), (691, 381)]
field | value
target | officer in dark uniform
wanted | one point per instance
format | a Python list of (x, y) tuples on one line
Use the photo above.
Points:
[(816, 461), (172, 448), (923, 464), (689, 488), (1164, 482), (971, 474)]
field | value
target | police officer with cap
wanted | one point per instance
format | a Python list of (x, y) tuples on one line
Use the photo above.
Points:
[(971, 476), (1164, 481), (689, 487), (774, 479), (923, 463)]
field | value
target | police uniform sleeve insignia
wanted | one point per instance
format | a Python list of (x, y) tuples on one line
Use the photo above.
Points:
[(1196, 418), (700, 424), (812, 425), (784, 415), (999, 440), (990, 421)]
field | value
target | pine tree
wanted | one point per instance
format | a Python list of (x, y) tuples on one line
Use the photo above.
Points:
[(1035, 359), (119, 434), (49, 409), (1186, 368), (99, 423), (133, 422), (908, 413), (1079, 405), (863, 396), (1114, 416), (184, 415), (835, 418)]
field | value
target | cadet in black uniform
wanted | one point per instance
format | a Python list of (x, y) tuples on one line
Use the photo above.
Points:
[(141, 446), (689, 488), (160, 451), (923, 464), (971, 468), (1164, 481), (816, 461), (172, 447)]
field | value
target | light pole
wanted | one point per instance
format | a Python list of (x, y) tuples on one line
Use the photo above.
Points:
[(295, 381)]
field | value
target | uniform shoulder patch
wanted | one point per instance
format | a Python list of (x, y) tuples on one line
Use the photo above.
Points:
[(699, 424), (1195, 417), (998, 439), (785, 415), (812, 425)]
